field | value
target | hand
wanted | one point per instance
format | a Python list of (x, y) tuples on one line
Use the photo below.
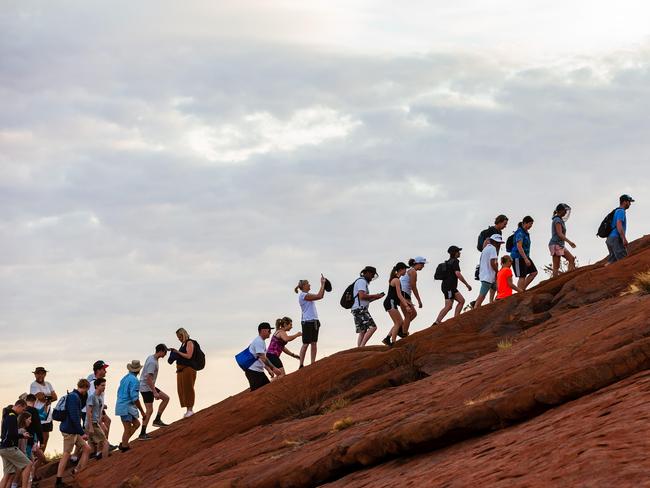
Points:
[(26, 435), (322, 279), (419, 304), (277, 371), (85, 437), (299, 334), (469, 288), (572, 244), (527, 261)]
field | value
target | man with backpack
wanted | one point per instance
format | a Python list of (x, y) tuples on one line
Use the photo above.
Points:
[(361, 298), (616, 240), (449, 273), (151, 392), (488, 268), (68, 412), (500, 223), (14, 461)]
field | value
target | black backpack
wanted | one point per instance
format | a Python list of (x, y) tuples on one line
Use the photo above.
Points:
[(606, 226), (198, 357), (348, 298), (482, 236), (441, 271), (510, 243)]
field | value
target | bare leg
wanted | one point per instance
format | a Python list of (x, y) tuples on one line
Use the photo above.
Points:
[(556, 266), (445, 310), (164, 401), (408, 318), (106, 423), (492, 293), (148, 410), (6, 480), (570, 259), (27, 470), (314, 349), (461, 303), (529, 279), (63, 462), (521, 283), (46, 436), (367, 335), (303, 352), (398, 321), (85, 454)]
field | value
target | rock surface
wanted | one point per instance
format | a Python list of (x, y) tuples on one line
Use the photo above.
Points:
[(561, 402)]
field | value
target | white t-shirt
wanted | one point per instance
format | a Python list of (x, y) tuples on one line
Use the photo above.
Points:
[(258, 346), (308, 308), (360, 285), (46, 389), (150, 368), (486, 272)]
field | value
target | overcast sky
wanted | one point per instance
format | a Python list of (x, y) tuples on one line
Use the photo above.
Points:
[(167, 163)]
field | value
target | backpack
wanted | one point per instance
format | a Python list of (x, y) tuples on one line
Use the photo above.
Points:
[(60, 411), (348, 298), (485, 234), (510, 243), (441, 271), (245, 359), (198, 357), (606, 226)]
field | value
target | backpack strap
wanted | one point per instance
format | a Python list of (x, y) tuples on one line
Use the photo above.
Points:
[(357, 295)]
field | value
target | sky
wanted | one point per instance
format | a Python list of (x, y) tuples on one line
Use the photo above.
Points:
[(166, 164)]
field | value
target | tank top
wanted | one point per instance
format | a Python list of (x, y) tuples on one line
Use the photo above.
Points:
[(392, 294), (405, 282), (276, 345), (307, 307)]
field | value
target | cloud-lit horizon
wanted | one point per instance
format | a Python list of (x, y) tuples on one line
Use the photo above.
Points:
[(165, 164)]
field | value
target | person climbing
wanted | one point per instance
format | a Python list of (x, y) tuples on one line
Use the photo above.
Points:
[(449, 285), (363, 321), (409, 282), (278, 344), (395, 300), (616, 241), (309, 317), (558, 239), (128, 403), (185, 372), (500, 223), (504, 279), (523, 266), (14, 461), (257, 349), (488, 268), (151, 392)]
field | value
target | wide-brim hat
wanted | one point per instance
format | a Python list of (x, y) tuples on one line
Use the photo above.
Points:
[(134, 366), (328, 285), (370, 269), (40, 369)]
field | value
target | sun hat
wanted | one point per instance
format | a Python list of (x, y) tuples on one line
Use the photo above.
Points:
[(370, 269), (496, 238), (40, 369), (134, 366)]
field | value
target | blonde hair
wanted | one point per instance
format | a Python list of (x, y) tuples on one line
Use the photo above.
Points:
[(183, 335), (283, 322), (300, 284), (505, 259)]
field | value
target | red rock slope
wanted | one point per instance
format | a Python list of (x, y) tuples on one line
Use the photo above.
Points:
[(565, 404)]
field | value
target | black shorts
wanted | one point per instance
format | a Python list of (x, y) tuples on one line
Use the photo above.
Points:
[(520, 269), (47, 427), (275, 360), (391, 304), (450, 293), (310, 330), (256, 379), (147, 396), (407, 296)]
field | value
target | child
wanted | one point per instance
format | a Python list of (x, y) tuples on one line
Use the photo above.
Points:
[(504, 279), (279, 342), (24, 421)]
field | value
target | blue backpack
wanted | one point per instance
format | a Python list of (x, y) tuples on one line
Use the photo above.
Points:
[(245, 359)]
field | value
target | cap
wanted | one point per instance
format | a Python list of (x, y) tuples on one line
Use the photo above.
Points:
[(454, 249), (328, 285), (496, 238), (99, 365), (626, 198), (419, 260), (40, 369), (369, 269), (264, 325)]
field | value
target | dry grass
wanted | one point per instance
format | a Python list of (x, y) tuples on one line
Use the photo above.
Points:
[(343, 424), (640, 285), (133, 482), (504, 344), (53, 456), (292, 443), (482, 399), (337, 404)]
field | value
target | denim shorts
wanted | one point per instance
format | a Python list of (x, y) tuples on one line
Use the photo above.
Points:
[(128, 418), (486, 286)]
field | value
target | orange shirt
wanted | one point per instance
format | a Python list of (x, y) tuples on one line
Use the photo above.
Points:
[(503, 289)]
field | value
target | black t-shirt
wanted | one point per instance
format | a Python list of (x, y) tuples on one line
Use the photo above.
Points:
[(451, 281), (35, 428)]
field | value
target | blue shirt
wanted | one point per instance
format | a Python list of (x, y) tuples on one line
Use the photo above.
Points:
[(127, 394), (520, 235), (619, 214)]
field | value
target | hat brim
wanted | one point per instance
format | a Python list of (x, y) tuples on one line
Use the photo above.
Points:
[(132, 369), (328, 285)]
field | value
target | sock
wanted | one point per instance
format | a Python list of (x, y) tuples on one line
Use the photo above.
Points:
[(157, 419)]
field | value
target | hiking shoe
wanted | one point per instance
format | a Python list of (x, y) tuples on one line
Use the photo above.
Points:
[(144, 437), (61, 484), (402, 334), (160, 423), (387, 341), (112, 447), (472, 303), (122, 448)]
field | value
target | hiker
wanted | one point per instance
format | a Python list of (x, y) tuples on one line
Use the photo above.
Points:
[(24, 439), (505, 286), (73, 431), (488, 268), (500, 223), (395, 300), (128, 403), (409, 286), (150, 392), (257, 348), (14, 461), (185, 372), (363, 321), (278, 344), (94, 412), (449, 286), (36, 431), (523, 266), (616, 241), (45, 395), (309, 321), (558, 238), (99, 371)]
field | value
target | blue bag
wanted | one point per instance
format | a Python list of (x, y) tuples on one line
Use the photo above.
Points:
[(245, 359)]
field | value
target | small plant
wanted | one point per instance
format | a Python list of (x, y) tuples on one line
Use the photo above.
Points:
[(564, 267), (133, 482), (337, 404), (52, 456), (640, 285), (504, 344), (343, 424), (304, 402)]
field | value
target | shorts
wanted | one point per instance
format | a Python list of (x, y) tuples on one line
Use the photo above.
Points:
[(363, 320), (407, 296), (616, 248), (450, 294), (275, 360), (98, 436), (310, 331), (13, 460), (391, 304), (556, 250), (128, 418), (256, 379), (486, 286), (47, 427), (70, 441), (147, 396), (521, 269)]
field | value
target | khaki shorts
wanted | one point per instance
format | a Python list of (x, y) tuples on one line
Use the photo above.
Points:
[(97, 437), (70, 441), (13, 460)]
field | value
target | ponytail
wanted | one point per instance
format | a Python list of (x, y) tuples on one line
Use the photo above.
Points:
[(299, 286), (393, 274), (411, 262), (281, 323)]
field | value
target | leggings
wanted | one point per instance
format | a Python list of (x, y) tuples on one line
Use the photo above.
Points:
[(185, 378)]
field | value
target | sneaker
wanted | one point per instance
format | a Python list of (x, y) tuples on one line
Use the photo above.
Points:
[(61, 484), (189, 413), (144, 437), (122, 448), (98, 456), (112, 447), (74, 460), (402, 334), (387, 341), (472, 303), (159, 423)]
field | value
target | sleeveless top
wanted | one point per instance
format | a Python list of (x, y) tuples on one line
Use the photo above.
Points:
[(405, 282), (307, 307), (276, 345), (184, 361), (391, 295)]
